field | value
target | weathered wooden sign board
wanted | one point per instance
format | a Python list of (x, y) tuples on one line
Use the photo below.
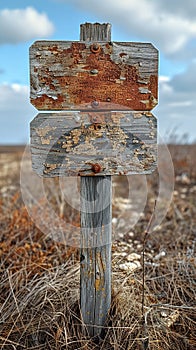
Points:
[(102, 143), (71, 75), (104, 92)]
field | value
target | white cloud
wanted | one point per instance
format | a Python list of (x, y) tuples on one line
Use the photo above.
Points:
[(177, 105), (164, 79), (20, 25), (15, 113), (185, 82), (185, 9), (12, 96), (187, 103), (164, 83), (157, 21)]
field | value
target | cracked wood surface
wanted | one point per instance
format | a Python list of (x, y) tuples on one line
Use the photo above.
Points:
[(95, 272), (83, 143), (71, 75)]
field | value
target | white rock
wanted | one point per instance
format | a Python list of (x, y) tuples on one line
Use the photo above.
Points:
[(130, 234), (130, 266), (160, 255), (184, 190), (130, 244), (120, 235), (114, 221), (183, 178), (120, 254), (135, 242), (133, 257)]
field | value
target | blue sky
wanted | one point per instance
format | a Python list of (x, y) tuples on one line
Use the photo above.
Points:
[(169, 25)]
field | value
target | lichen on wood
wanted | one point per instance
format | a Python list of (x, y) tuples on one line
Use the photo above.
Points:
[(99, 143)]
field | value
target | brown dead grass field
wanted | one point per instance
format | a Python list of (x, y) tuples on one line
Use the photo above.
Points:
[(40, 278)]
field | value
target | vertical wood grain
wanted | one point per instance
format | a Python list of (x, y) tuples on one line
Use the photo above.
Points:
[(95, 273), (95, 32), (96, 218)]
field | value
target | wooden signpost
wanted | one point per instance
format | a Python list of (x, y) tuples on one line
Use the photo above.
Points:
[(100, 94)]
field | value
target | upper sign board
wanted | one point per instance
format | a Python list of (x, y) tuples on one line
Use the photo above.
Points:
[(82, 75)]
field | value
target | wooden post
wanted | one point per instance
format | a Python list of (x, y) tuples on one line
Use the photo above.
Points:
[(95, 272), (96, 218), (92, 85)]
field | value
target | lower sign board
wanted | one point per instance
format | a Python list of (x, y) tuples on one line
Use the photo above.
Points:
[(93, 143)]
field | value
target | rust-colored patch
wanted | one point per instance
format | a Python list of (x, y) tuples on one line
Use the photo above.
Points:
[(46, 102), (99, 285), (62, 78), (96, 168)]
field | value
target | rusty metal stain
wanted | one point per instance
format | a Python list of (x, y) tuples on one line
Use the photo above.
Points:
[(98, 284), (99, 273), (61, 75)]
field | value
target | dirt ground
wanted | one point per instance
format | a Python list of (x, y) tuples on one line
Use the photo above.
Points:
[(154, 274)]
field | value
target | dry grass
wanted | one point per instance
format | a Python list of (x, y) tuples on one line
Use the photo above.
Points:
[(39, 279)]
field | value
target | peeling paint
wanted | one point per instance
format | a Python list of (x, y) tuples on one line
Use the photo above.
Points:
[(119, 142), (150, 103), (144, 90), (49, 167), (42, 132), (61, 75)]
